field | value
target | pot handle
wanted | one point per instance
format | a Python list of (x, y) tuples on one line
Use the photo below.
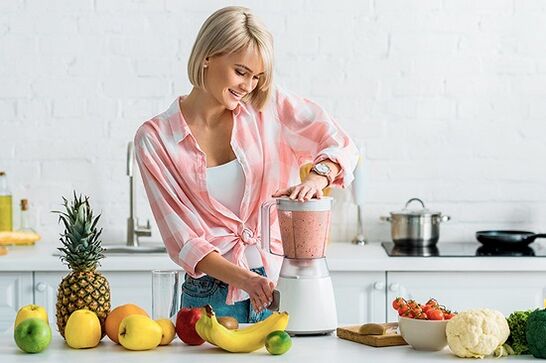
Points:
[(414, 200), (445, 218), (385, 219)]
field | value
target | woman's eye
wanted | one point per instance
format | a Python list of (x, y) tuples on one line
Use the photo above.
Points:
[(239, 72)]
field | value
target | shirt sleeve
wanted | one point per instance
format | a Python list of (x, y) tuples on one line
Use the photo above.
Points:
[(180, 228), (314, 136)]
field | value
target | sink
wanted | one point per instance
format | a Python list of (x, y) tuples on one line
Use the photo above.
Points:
[(129, 250)]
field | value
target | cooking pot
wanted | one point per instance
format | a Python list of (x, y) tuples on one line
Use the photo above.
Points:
[(415, 227)]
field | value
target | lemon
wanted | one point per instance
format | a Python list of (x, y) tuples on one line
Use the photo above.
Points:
[(278, 342)]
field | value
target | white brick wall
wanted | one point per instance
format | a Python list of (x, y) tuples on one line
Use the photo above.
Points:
[(448, 97)]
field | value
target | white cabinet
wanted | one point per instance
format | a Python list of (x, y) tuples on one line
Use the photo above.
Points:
[(360, 296), (15, 292), (125, 287), (503, 291)]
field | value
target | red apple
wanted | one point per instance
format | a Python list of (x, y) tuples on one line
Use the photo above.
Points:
[(185, 325)]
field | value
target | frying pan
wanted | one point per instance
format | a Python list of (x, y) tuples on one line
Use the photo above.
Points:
[(507, 239)]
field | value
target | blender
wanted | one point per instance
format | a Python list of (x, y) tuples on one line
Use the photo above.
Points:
[(304, 284)]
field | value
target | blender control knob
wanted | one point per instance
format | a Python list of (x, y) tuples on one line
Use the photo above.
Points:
[(379, 285), (394, 287)]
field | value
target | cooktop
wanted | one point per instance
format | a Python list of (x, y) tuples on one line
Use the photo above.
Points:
[(464, 249)]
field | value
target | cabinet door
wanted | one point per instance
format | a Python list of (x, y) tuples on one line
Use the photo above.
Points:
[(15, 292), (45, 292), (134, 287), (125, 287), (503, 291), (360, 297)]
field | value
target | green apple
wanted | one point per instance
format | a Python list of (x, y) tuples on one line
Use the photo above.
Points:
[(32, 335)]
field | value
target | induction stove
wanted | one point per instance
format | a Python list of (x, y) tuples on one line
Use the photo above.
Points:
[(464, 249)]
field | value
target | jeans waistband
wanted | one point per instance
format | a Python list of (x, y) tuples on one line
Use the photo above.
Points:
[(258, 270)]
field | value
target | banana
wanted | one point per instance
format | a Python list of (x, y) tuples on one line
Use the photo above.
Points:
[(239, 340)]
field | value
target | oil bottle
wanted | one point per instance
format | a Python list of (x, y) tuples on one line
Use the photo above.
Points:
[(6, 213)]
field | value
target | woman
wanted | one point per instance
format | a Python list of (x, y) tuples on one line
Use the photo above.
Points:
[(212, 159)]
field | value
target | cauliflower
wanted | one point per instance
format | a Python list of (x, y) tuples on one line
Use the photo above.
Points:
[(476, 333)]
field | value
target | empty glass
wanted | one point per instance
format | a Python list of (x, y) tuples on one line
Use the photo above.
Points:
[(165, 294)]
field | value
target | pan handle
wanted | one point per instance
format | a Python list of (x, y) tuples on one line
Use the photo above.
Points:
[(540, 235)]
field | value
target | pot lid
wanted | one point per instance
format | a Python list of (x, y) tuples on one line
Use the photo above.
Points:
[(423, 211)]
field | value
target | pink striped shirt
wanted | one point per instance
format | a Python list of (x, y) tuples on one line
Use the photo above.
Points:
[(270, 144)]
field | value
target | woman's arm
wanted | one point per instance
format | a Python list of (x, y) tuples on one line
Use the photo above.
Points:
[(259, 288)]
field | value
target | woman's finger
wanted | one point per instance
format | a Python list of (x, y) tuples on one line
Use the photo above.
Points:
[(295, 192), (281, 192), (310, 194), (303, 192), (320, 194)]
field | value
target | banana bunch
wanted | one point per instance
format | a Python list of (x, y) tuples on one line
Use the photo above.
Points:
[(18, 238), (239, 340)]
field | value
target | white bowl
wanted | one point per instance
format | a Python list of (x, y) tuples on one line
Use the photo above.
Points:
[(423, 334)]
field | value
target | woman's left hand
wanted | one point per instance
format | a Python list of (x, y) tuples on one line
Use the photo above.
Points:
[(311, 187)]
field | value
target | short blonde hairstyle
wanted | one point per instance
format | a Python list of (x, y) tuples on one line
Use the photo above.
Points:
[(227, 31)]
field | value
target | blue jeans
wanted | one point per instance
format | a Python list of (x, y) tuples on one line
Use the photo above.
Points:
[(208, 290)]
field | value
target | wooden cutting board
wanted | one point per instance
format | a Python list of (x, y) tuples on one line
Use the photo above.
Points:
[(386, 334)]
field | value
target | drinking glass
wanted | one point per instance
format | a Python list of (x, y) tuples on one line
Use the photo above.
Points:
[(165, 294)]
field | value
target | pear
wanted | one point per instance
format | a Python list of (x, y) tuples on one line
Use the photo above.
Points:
[(139, 332), (83, 329), (31, 311)]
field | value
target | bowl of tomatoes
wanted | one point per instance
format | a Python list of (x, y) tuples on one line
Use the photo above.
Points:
[(423, 326)]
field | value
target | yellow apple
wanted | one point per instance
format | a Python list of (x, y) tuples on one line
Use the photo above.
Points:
[(139, 332), (82, 329), (168, 331), (31, 311)]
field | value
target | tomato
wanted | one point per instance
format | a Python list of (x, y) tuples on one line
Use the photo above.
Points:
[(448, 316), (412, 303), (403, 309), (397, 302), (421, 316), (435, 314), (432, 302)]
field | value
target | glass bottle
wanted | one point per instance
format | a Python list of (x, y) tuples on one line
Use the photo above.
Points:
[(25, 225), (6, 212)]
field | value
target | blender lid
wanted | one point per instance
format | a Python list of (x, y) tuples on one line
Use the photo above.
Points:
[(312, 205)]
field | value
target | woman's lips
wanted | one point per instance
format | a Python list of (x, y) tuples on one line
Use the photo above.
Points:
[(236, 95)]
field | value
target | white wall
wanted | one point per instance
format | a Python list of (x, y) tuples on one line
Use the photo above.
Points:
[(448, 97)]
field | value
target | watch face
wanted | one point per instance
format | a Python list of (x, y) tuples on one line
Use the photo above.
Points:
[(322, 168)]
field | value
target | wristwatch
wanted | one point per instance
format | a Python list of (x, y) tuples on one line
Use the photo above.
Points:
[(324, 170)]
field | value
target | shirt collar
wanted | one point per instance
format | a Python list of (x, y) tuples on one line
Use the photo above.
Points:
[(179, 126)]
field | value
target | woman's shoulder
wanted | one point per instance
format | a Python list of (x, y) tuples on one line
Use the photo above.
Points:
[(165, 125)]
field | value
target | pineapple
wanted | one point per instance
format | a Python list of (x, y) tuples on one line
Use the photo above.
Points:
[(83, 288)]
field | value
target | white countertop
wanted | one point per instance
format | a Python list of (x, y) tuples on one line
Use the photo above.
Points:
[(341, 257), (314, 349)]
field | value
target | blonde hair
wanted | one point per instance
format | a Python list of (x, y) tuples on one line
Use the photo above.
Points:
[(227, 31)]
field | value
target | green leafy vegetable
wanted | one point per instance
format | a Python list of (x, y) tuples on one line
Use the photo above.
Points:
[(535, 333), (517, 321)]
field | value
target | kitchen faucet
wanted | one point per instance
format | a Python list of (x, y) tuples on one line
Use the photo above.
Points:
[(134, 230)]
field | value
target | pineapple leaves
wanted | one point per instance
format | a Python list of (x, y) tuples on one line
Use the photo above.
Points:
[(81, 249)]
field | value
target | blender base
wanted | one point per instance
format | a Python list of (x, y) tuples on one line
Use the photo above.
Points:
[(310, 303)]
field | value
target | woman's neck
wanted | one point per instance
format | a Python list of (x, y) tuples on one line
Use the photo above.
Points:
[(200, 107)]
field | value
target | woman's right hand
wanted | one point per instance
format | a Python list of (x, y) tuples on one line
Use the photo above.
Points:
[(260, 290)]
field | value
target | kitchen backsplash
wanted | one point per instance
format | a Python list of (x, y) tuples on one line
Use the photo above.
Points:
[(447, 97)]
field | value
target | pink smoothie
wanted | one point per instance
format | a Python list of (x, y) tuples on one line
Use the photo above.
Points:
[(304, 234)]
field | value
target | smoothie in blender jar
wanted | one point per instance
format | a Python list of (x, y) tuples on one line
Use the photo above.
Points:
[(304, 233)]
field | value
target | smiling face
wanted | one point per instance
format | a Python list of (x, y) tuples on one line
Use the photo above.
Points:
[(230, 77)]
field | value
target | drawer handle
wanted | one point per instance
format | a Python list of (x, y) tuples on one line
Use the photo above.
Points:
[(394, 287), (379, 285), (41, 287)]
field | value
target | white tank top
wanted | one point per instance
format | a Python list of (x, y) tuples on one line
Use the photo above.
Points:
[(226, 184)]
